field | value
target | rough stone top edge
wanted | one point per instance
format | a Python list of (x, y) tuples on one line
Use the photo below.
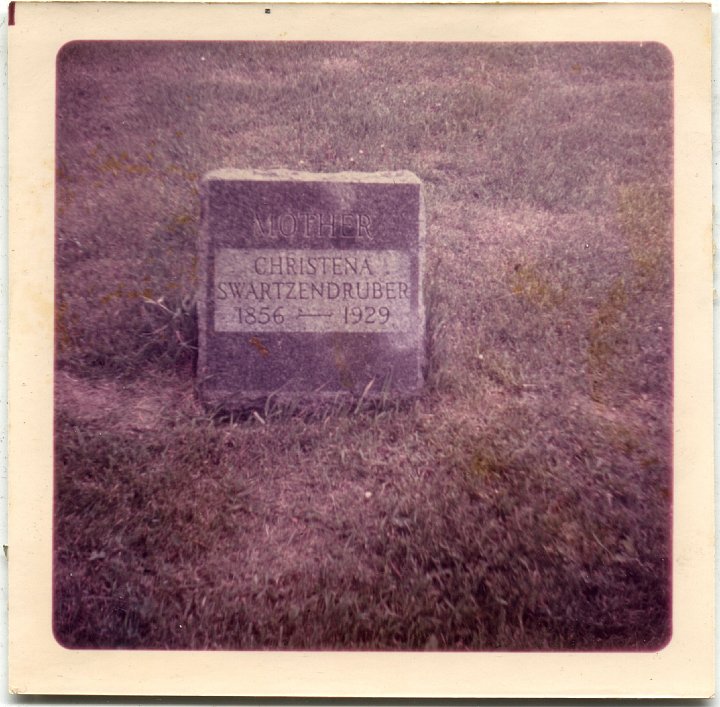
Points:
[(289, 175)]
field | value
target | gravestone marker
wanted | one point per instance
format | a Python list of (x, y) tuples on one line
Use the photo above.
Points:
[(311, 286)]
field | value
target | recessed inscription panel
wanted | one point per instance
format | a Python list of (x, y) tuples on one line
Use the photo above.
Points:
[(363, 291)]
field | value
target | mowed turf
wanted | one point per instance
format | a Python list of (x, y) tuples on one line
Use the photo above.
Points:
[(522, 502)]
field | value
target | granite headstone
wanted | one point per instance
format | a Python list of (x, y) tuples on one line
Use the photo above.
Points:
[(310, 286)]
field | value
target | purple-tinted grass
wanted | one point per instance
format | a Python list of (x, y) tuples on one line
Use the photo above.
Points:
[(522, 503)]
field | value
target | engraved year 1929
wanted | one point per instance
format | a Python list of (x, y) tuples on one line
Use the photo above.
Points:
[(369, 315)]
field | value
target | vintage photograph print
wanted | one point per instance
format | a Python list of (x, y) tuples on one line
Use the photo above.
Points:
[(363, 346)]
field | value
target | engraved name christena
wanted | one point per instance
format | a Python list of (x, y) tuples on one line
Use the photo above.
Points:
[(312, 226)]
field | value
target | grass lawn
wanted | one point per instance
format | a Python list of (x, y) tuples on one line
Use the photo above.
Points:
[(522, 502)]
